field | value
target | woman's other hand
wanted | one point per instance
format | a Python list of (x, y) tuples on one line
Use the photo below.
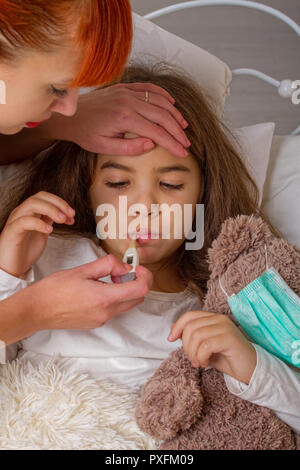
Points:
[(26, 231), (105, 115), (76, 299), (213, 339)]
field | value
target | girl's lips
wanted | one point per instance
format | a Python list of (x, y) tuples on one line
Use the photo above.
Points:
[(144, 237)]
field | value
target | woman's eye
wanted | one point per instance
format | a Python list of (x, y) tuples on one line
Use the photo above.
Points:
[(57, 92), (119, 184), (172, 186)]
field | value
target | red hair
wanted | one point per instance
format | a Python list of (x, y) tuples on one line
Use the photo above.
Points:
[(103, 33)]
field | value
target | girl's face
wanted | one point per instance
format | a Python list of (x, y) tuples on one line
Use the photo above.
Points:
[(36, 86), (155, 177)]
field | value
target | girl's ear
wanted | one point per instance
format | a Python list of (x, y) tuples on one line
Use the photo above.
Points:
[(238, 235)]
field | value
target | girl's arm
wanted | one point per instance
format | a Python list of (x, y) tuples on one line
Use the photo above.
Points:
[(273, 385)]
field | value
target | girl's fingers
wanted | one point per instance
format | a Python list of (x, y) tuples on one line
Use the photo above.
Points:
[(26, 223), (41, 207), (57, 201), (191, 343), (180, 324), (47, 219), (208, 347)]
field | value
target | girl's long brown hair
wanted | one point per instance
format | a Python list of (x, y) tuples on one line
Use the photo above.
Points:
[(228, 190)]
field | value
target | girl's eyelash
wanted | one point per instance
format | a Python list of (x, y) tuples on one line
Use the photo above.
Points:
[(121, 184), (57, 92), (173, 186)]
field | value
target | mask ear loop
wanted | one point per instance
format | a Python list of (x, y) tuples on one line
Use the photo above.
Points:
[(223, 288), (266, 256)]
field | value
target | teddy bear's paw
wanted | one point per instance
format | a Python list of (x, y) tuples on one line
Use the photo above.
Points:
[(171, 400), (238, 235)]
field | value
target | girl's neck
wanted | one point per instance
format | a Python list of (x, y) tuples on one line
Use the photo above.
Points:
[(165, 278)]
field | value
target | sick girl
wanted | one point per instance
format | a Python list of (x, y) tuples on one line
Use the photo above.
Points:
[(41, 237)]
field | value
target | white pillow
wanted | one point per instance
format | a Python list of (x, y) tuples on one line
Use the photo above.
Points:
[(256, 144), (152, 44), (281, 195)]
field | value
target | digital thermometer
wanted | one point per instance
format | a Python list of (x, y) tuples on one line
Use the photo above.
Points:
[(130, 257)]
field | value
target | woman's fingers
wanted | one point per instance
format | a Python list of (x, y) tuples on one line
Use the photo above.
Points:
[(105, 266), (159, 119), (140, 125), (162, 102), (133, 290), (120, 146), (150, 87), (164, 117)]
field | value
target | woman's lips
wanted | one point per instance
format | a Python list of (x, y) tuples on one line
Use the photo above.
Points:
[(34, 124)]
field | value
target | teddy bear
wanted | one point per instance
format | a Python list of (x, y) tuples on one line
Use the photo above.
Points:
[(190, 408)]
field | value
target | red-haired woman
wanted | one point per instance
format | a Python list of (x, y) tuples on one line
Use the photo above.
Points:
[(48, 49)]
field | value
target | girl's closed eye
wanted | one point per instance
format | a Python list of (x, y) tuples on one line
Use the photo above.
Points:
[(123, 184)]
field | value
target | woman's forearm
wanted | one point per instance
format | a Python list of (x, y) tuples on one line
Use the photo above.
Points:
[(17, 319)]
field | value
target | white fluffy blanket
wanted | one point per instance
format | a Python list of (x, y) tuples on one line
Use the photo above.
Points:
[(51, 407)]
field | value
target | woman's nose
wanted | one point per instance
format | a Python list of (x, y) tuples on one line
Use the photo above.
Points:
[(67, 105)]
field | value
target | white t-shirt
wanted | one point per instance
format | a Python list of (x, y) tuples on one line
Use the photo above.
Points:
[(130, 347)]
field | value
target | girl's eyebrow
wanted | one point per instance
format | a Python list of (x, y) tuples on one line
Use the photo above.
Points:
[(163, 169), (166, 169)]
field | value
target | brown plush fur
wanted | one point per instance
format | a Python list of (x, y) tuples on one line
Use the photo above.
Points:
[(191, 408)]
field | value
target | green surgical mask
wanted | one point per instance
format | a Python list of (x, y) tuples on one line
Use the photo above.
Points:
[(268, 310)]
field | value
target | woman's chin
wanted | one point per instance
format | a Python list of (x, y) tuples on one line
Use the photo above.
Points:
[(11, 130)]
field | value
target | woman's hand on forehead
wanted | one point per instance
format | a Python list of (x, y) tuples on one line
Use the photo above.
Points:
[(105, 115)]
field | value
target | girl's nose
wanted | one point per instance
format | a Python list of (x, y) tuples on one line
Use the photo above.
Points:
[(67, 105)]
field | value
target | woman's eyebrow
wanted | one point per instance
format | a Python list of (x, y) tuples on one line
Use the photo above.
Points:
[(163, 169)]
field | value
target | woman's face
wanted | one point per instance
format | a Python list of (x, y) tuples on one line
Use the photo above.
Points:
[(155, 177), (31, 85)]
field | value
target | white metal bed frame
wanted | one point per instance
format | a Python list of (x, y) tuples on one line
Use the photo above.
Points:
[(284, 87)]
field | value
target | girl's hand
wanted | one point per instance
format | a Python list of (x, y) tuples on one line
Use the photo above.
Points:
[(105, 115), (213, 339), (26, 232)]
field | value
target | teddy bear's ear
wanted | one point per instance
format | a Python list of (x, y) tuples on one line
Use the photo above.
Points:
[(241, 234)]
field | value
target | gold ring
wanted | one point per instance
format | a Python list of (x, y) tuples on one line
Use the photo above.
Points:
[(146, 96)]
